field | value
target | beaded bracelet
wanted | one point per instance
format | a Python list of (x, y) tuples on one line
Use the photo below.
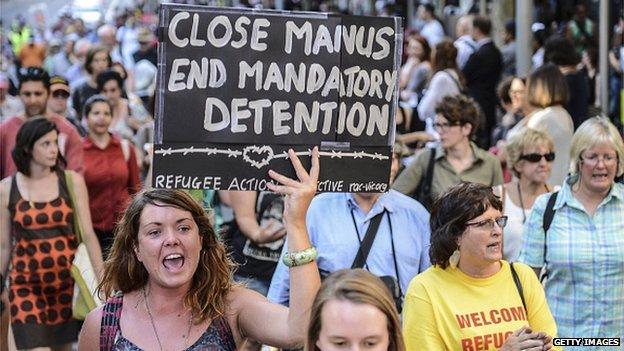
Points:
[(299, 258)]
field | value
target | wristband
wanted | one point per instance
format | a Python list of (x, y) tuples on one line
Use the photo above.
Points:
[(299, 258)]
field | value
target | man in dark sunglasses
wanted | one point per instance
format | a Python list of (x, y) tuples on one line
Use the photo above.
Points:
[(34, 91), (57, 103)]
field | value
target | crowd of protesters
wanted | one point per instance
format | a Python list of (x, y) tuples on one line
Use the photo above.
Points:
[(479, 149)]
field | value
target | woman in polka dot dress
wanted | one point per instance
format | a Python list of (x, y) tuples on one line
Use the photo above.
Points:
[(36, 217)]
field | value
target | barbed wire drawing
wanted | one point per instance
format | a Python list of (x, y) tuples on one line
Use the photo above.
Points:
[(267, 153)]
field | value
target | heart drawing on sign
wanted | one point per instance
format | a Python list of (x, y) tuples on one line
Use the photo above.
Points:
[(265, 152)]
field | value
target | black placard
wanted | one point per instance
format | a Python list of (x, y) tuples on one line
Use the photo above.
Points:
[(238, 87)]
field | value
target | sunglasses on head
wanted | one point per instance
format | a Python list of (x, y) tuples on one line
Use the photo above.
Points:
[(535, 157), (31, 71), (60, 94)]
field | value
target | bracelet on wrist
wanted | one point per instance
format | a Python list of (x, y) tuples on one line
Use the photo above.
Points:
[(299, 258)]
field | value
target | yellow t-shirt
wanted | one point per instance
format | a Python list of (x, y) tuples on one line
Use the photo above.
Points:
[(446, 309)]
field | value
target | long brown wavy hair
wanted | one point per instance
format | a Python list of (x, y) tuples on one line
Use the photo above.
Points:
[(445, 57), (212, 280), (357, 286)]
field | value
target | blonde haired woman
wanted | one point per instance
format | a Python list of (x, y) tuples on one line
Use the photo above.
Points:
[(581, 247), (354, 310), (530, 155)]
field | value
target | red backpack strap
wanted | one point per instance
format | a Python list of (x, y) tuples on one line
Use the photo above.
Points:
[(110, 322)]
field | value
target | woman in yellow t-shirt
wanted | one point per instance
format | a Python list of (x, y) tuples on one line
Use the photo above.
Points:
[(470, 298)]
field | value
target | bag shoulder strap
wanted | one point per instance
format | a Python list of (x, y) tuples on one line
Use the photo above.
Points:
[(518, 287), (125, 148), (549, 214), (426, 182), (109, 327), (459, 85), (367, 242), (72, 197)]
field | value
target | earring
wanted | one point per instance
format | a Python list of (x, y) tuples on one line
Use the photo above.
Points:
[(454, 259)]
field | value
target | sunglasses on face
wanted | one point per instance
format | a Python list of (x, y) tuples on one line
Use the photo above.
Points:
[(535, 157), (60, 94)]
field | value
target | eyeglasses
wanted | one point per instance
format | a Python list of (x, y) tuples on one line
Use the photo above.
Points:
[(60, 94), (592, 160), (489, 223), (445, 126), (535, 157)]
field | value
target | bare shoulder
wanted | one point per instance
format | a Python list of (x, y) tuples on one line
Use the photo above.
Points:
[(239, 299), (89, 338)]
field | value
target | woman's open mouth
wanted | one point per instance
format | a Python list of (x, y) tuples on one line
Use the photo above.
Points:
[(173, 262)]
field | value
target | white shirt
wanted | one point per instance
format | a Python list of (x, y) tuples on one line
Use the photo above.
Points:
[(465, 47), (11, 106), (441, 85), (513, 233), (433, 32), (556, 121)]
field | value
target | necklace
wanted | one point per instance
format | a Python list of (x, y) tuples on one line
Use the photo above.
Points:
[(522, 202), (149, 312)]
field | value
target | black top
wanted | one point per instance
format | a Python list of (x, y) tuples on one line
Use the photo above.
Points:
[(80, 95), (578, 88), (151, 55), (257, 261)]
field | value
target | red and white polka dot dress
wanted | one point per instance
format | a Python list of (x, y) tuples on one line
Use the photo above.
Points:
[(41, 286)]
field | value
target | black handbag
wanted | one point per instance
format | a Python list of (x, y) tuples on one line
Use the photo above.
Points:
[(423, 191)]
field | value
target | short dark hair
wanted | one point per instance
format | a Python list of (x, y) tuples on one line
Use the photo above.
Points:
[(547, 87), (91, 55), (107, 75), (460, 109), (510, 27), (483, 24), (450, 213), (560, 51), (31, 131), (429, 8), (34, 74), (86, 109)]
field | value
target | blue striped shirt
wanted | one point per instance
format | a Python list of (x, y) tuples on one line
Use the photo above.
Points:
[(585, 262)]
